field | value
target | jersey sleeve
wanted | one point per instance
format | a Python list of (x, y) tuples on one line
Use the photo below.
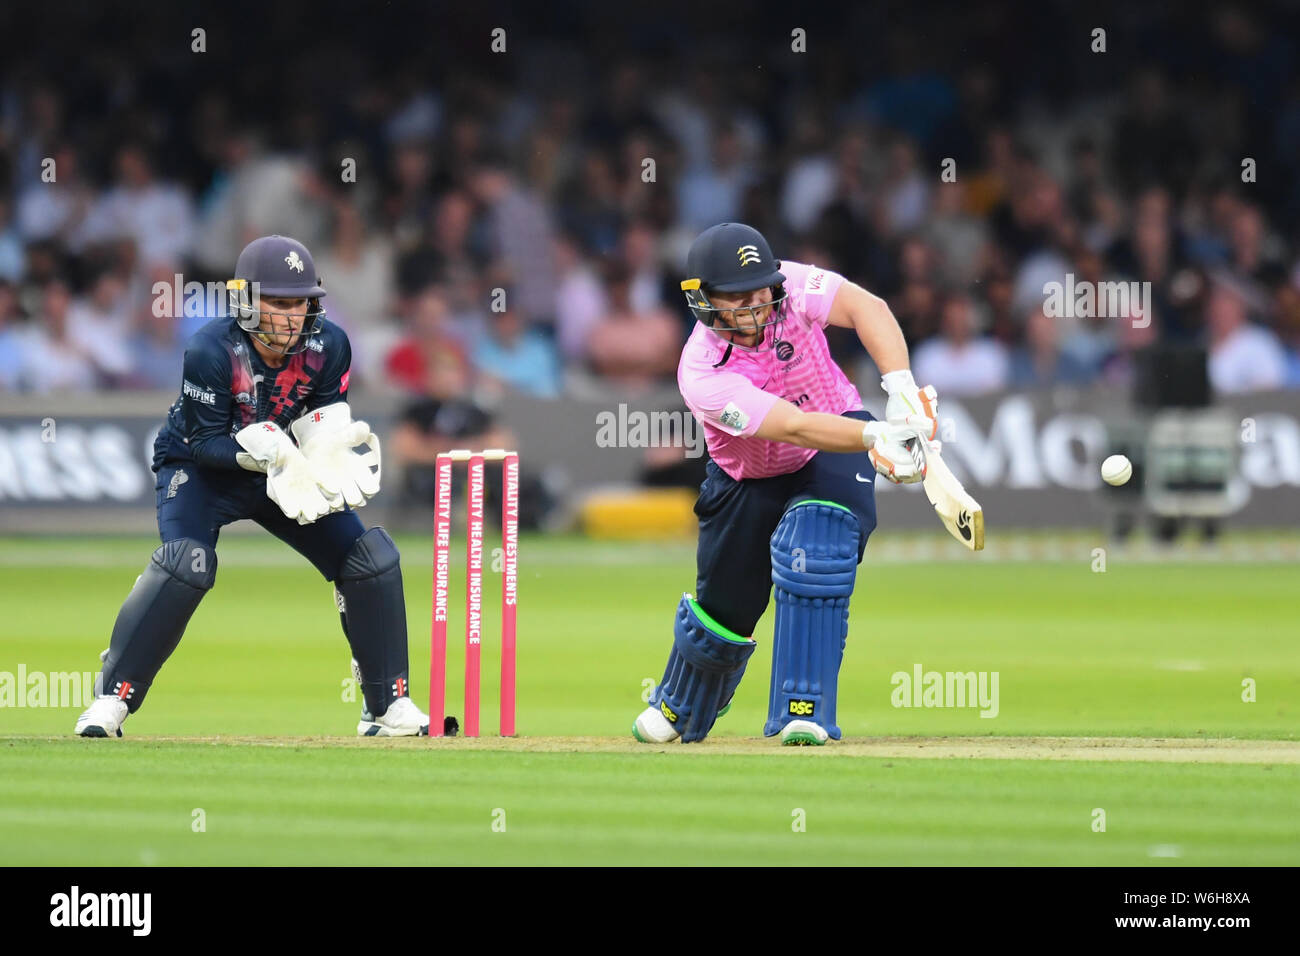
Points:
[(813, 289), (729, 402), (205, 405), (334, 377)]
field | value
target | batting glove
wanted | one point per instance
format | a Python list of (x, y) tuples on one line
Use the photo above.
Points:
[(896, 451), (908, 405)]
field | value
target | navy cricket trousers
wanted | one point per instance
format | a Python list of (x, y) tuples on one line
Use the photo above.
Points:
[(196, 502), (737, 518)]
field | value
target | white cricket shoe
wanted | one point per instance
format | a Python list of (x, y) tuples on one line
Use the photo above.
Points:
[(652, 727), (103, 718), (803, 733), (402, 719)]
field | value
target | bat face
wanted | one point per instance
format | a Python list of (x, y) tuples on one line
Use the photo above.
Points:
[(960, 513)]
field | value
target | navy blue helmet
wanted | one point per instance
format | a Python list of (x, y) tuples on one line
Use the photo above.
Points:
[(275, 267), (729, 258)]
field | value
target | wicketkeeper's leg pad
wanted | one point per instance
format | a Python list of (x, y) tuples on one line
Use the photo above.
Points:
[(368, 590), (153, 618), (704, 668), (814, 565)]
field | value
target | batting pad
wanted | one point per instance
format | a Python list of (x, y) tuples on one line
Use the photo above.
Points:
[(153, 618), (704, 669), (814, 565), (374, 611)]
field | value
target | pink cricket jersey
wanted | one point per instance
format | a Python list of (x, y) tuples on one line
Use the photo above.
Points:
[(730, 402)]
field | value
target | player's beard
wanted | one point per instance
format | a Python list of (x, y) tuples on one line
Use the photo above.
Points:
[(752, 340)]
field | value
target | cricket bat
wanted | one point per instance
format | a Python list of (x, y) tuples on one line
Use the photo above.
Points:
[(960, 513)]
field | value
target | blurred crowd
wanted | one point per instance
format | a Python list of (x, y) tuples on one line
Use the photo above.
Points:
[(520, 224)]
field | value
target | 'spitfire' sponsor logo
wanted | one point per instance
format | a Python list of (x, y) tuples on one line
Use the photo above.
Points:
[(204, 395)]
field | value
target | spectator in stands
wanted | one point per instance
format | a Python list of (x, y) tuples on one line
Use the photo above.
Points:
[(409, 202), (580, 301), (357, 265), (1253, 258), (916, 306), (12, 257), (157, 348), (444, 416), (711, 193), (56, 210), (811, 180), (11, 338), (53, 360), (409, 364), (957, 362), (651, 287), (633, 348), (521, 238), (1040, 362), (101, 320), (1119, 368), (459, 257), (1090, 339), (1288, 327), (1244, 357), (959, 238), (592, 210), (157, 217), (510, 354), (905, 192), (358, 270)]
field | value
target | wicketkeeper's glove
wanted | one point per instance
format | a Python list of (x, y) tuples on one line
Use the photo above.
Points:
[(329, 438), (301, 490)]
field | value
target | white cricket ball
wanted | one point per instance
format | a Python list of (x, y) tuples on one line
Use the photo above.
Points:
[(1116, 470)]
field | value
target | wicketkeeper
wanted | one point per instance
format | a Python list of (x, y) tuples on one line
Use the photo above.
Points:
[(262, 430), (788, 499)]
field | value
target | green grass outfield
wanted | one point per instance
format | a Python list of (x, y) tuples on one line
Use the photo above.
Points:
[(249, 723)]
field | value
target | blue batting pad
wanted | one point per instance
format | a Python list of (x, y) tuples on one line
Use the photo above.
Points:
[(814, 564), (704, 669)]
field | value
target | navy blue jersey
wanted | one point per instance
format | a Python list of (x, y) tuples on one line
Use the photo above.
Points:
[(226, 386)]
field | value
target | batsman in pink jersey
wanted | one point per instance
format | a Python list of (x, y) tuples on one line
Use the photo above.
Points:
[(788, 501)]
